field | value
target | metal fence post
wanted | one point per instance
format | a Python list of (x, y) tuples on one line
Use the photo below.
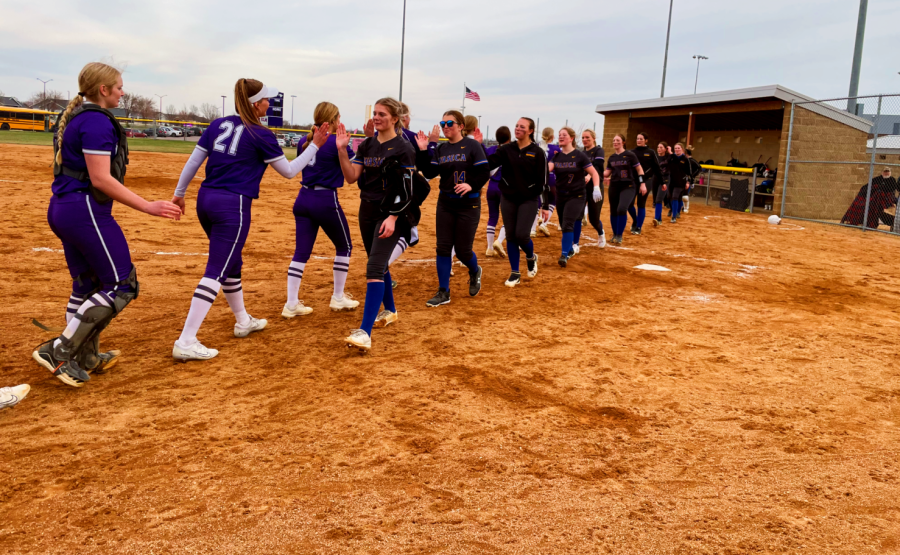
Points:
[(787, 161), (708, 183), (872, 167), (753, 189)]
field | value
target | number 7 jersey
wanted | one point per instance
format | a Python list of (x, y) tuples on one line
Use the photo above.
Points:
[(238, 155)]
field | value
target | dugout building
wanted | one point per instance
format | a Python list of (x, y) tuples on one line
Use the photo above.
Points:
[(752, 124)]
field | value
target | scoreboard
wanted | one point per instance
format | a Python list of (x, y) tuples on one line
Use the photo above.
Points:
[(275, 114)]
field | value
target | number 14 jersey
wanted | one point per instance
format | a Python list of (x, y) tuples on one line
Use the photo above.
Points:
[(238, 155)]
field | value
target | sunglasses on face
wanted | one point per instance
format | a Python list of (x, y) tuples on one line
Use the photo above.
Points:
[(448, 123)]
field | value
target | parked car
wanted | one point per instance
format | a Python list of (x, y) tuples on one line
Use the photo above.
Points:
[(281, 142), (295, 140), (193, 131), (169, 132), (130, 133)]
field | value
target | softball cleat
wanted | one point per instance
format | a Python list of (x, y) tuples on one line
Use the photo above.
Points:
[(10, 396), (290, 312), (346, 302), (255, 324), (515, 278), (359, 339), (498, 248), (385, 318), (194, 352)]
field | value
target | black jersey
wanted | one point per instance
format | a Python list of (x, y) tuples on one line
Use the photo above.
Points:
[(679, 170), (648, 160), (624, 167), (598, 157), (524, 171), (664, 165), (570, 170), (460, 162), (372, 155)]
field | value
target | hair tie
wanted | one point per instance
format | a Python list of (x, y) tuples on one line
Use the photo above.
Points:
[(80, 93)]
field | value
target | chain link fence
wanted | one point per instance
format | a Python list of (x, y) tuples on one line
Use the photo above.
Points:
[(843, 162)]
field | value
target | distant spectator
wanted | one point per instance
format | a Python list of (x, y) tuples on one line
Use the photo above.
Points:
[(883, 196)]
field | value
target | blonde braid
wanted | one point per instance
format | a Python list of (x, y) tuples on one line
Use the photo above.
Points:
[(61, 124)]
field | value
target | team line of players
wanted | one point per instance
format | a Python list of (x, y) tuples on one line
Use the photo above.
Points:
[(391, 167)]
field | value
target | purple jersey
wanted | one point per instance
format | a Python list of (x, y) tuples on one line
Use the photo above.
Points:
[(87, 133), (325, 169), (499, 173), (238, 157), (551, 152)]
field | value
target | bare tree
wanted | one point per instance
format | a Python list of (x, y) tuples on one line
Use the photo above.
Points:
[(209, 111), (170, 111)]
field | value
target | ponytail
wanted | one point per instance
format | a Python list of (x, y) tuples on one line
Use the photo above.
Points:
[(325, 112), (92, 77), (243, 90), (61, 125)]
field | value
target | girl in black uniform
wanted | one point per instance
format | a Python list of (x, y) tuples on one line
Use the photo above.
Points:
[(463, 168), (570, 166), (679, 177), (385, 163), (650, 164), (594, 193), (661, 186), (524, 169), (625, 177)]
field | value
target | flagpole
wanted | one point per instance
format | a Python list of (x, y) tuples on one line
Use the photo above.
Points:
[(464, 98)]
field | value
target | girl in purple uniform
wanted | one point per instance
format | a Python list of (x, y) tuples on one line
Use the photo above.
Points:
[(548, 199), (239, 150), (89, 166), (495, 246), (384, 167), (317, 206)]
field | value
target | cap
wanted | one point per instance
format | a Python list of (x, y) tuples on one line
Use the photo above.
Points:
[(264, 92)]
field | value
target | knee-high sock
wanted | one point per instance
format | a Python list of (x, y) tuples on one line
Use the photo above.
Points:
[(686, 202), (443, 270), (490, 236), (512, 253), (552, 210), (535, 224), (374, 296), (633, 213), (398, 250), (295, 276), (388, 296), (472, 264), (204, 296), (528, 248), (567, 238), (657, 214), (339, 269), (502, 235), (97, 299), (576, 234), (676, 208), (234, 294), (75, 302), (641, 216)]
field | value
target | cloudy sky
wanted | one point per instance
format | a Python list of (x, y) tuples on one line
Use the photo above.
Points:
[(550, 61)]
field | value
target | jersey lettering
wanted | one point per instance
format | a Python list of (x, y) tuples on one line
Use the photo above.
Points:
[(227, 129)]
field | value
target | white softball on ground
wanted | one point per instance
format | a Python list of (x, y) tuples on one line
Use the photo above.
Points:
[(774, 220)]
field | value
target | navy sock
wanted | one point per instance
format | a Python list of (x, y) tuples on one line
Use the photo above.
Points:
[(633, 213), (512, 252), (472, 264), (388, 297), (567, 242), (676, 208), (642, 215), (657, 214), (374, 296), (623, 222), (528, 249), (577, 232), (443, 269)]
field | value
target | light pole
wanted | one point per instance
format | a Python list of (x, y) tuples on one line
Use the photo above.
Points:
[(293, 96), (479, 122), (160, 103), (45, 86), (402, 49), (223, 105), (662, 91), (698, 57), (857, 56)]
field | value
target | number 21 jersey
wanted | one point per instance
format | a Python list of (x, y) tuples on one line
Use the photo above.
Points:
[(238, 155)]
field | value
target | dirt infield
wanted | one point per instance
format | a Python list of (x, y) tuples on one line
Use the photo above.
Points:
[(748, 401)]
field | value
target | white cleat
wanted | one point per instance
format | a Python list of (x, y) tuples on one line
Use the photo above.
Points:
[(385, 318), (490, 251), (254, 325), (576, 249), (194, 352), (545, 231), (602, 242), (687, 203), (346, 302), (9, 396), (359, 339), (533, 271), (290, 312), (498, 248)]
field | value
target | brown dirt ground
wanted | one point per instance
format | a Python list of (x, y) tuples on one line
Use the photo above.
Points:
[(746, 402)]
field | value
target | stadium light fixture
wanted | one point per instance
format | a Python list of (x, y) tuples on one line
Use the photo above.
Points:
[(698, 57), (662, 91), (223, 105), (45, 86), (293, 96), (402, 50), (160, 103)]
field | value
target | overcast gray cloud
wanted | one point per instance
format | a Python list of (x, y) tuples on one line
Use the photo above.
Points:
[(549, 60)]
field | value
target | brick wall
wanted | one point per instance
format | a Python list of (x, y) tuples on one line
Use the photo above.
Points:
[(821, 191)]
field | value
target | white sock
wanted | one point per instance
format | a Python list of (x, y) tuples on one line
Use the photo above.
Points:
[(552, 210), (75, 303), (686, 200), (398, 250), (340, 269), (502, 235), (234, 294), (585, 211), (204, 296), (295, 275), (414, 234), (452, 254), (535, 224), (490, 235)]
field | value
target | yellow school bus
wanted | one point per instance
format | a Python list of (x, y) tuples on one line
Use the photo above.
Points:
[(25, 119)]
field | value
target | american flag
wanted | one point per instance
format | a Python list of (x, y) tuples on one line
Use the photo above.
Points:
[(472, 94)]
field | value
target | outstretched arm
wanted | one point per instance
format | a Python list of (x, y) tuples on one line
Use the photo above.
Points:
[(350, 170), (291, 169)]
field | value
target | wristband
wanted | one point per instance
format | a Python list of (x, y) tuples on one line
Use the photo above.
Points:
[(641, 178)]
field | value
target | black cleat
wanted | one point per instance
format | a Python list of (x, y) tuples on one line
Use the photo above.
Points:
[(474, 283), (394, 283), (514, 279), (67, 371), (563, 260), (674, 220), (441, 297), (636, 231), (107, 361)]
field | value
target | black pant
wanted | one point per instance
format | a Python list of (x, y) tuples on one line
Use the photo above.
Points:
[(569, 209), (518, 217), (641, 200), (379, 250), (457, 221), (594, 208), (658, 193), (621, 196)]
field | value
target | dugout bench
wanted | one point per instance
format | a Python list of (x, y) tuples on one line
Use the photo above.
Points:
[(740, 184)]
